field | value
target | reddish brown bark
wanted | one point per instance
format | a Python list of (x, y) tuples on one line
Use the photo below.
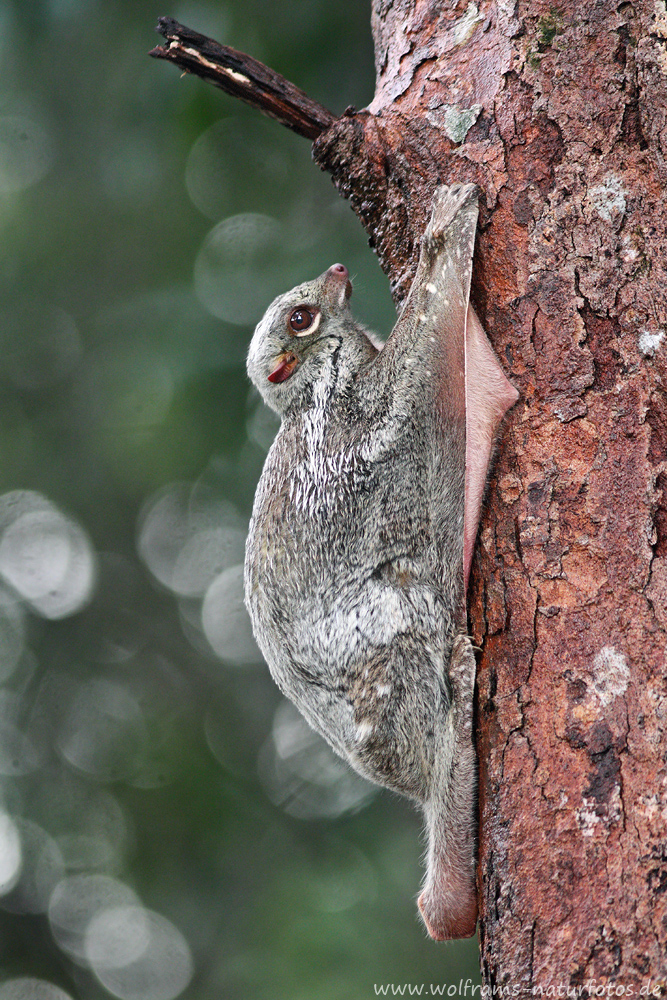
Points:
[(566, 134)]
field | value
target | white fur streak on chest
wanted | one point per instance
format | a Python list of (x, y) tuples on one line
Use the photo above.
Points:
[(322, 477)]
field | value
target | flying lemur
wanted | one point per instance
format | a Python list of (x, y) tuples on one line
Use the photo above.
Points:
[(363, 529)]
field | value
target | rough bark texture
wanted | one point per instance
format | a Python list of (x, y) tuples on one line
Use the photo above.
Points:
[(559, 113)]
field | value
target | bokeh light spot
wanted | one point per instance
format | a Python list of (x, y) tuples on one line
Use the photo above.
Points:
[(27, 988), (262, 424), (25, 153), (303, 775), (42, 868), (10, 853), (138, 954), (226, 622), (78, 900), (12, 633), (45, 556), (238, 257), (186, 541), (117, 936), (104, 731), (221, 160)]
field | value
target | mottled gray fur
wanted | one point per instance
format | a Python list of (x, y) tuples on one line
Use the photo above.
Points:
[(354, 560)]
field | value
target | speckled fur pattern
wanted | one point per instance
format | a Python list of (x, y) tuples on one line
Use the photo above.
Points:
[(354, 559)]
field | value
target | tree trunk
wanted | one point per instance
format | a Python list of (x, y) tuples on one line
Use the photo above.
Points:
[(559, 114)]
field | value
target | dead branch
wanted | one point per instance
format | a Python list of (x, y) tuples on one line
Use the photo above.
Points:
[(242, 76)]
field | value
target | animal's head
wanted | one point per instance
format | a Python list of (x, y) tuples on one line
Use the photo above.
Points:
[(307, 339)]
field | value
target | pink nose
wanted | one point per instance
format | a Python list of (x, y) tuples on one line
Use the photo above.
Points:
[(340, 271)]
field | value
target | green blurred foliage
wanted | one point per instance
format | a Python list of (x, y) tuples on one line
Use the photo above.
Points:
[(157, 794)]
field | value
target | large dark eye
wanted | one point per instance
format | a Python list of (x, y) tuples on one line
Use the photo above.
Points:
[(301, 320)]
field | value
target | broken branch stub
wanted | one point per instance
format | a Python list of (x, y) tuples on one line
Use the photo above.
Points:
[(243, 77)]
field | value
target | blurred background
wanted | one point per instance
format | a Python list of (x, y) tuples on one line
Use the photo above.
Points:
[(169, 827)]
